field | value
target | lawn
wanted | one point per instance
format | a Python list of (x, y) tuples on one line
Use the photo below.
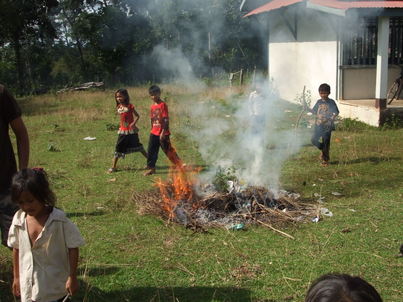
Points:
[(133, 257)]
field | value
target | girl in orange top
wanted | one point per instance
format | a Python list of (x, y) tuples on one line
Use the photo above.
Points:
[(128, 139)]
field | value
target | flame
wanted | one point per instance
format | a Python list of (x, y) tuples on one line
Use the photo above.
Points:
[(177, 188)]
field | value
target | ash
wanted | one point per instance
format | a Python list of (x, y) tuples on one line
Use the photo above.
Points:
[(239, 207)]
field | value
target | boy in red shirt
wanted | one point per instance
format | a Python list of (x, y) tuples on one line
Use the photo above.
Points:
[(159, 135)]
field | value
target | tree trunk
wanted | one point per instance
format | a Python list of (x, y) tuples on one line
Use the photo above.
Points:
[(19, 64)]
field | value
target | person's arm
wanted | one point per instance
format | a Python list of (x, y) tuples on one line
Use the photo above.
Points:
[(164, 125), (314, 109), (21, 135), (164, 121), (16, 273), (136, 117), (72, 282)]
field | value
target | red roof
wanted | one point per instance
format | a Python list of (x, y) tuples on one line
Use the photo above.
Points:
[(274, 4), (343, 5)]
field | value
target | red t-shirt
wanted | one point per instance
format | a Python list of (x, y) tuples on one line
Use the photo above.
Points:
[(159, 113), (126, 118)]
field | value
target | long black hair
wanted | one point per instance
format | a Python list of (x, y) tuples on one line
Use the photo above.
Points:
[(123, 92), (36, 182)]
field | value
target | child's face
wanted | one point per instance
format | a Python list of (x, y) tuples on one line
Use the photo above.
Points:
[(324, 94), (30, 205), (155, 96), (120, 98)]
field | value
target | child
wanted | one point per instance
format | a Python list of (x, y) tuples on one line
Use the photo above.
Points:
[(341, 288), (159, 135), (128, 139), (44, 241), (326, 111)]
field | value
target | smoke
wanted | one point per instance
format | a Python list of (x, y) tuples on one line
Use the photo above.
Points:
[(177, 65), (238, 134), (245, 136)]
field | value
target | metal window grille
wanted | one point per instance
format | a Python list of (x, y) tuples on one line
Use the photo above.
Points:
[(360, 45)]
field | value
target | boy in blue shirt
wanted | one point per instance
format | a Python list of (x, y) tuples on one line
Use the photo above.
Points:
[(326, 112)]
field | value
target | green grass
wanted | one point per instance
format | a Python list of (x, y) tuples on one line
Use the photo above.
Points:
[(131, 257)]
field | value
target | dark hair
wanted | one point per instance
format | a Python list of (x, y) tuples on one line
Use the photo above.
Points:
[(324, 87), (154, 89), (341, 288), (35, 181), (123, 92)]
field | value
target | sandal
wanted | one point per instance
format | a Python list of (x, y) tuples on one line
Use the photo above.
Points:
[(111, 170), (149, 172), (324, 164)]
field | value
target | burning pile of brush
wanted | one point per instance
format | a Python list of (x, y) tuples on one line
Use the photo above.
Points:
[(183, 200)]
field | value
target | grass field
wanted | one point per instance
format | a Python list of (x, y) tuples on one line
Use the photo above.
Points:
[(132, 257)]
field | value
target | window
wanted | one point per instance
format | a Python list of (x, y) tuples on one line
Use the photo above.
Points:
[(360, 43)]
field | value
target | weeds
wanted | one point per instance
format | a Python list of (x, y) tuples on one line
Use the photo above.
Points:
[(222, 177), (352, 125), (392, 122)]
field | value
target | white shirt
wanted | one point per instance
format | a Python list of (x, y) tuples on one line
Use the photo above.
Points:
[(44, 267), (256, 103)]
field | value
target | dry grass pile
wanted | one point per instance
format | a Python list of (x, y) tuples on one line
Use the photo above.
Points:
[(234, 210)]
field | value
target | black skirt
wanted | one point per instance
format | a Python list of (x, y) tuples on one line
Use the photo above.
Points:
[(128, 143)]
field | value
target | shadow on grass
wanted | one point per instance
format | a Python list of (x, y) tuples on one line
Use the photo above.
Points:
[(156, 294), (30, 108), (83, 214), (372, 159), (89, 293), (163, 169)]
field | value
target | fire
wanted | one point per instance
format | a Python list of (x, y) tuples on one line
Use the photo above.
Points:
[(177, 189)]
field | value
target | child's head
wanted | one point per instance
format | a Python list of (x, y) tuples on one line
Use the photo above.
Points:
[(30, 189), (155, 92), (122, 97), (341, 288), (324, 91)]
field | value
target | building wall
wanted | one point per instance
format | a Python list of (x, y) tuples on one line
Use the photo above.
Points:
[(309, 60), (359, 82)]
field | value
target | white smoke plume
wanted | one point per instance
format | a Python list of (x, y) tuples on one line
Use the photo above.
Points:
[(245, 136), (175, 63)]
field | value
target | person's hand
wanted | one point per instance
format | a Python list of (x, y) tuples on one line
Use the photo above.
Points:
[(162, 137), (72, 285), (16, 287)]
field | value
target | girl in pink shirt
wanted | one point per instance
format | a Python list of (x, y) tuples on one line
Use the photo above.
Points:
[(128, 139)]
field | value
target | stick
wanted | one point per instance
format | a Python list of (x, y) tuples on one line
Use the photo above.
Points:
[(66, 298), (274, 229), (304, 105)]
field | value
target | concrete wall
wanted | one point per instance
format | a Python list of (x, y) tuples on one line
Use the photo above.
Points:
[(309, 60), (359, 82), (367, 114)]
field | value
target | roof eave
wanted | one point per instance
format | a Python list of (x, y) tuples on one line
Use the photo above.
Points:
[(326, 9)]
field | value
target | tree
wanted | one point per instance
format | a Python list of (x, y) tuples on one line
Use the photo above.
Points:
[(21, 21)]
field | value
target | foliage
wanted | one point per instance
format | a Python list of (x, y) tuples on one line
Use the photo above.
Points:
[(222, 177), (352, 125), (304, 99), (392, 122), (67, 42)]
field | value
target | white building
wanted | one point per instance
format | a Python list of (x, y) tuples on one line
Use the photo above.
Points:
[(354, 46)]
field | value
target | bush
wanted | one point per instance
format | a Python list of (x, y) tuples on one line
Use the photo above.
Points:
[(352, 125)]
